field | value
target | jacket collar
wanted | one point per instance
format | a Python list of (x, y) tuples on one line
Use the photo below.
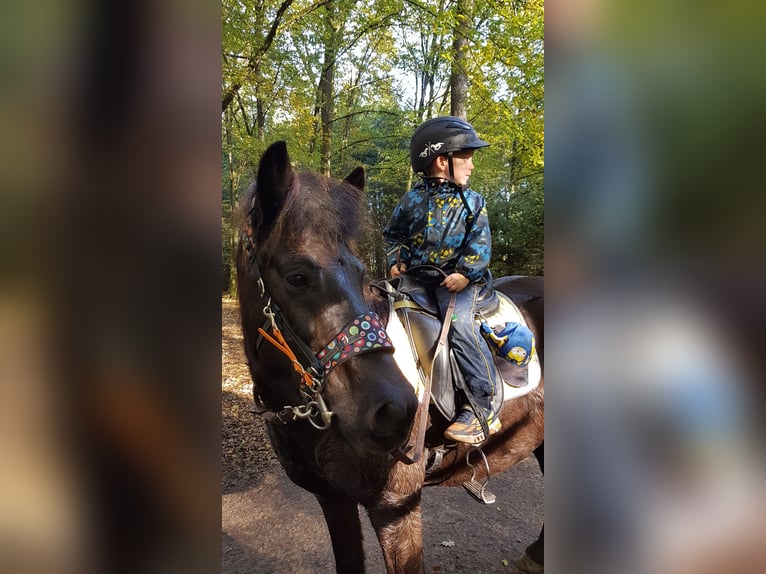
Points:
[(434, 185)]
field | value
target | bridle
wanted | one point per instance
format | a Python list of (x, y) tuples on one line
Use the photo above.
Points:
[(362, 334)]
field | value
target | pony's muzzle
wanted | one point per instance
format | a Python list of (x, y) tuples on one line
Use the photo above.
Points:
[(390, 421)]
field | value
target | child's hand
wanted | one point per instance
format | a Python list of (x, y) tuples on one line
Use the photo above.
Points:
[(397, 270), (455, 282)]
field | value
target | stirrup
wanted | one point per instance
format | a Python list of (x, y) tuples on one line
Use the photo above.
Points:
[(478, 489)]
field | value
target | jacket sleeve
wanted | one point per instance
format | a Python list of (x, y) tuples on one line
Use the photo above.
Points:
[(396, 235), (474, 261)]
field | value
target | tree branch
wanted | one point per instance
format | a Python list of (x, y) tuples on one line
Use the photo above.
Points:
[(527, 176), (228, 95), (422, 7), (395, 114), (365, 140)]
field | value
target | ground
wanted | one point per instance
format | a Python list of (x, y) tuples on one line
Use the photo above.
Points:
[(270, 526)]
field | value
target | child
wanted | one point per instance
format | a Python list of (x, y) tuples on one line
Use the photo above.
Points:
[(444, 223)]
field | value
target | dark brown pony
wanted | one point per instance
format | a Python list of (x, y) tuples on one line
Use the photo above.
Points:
[(335, 429)]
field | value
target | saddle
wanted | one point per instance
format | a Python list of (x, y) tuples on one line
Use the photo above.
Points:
[(417, 311)]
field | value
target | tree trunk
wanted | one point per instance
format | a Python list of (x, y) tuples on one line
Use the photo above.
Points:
[(232, 264), (233, 200), (327, 85), (514, 166), (326, 91), (459, 76), (260, 115)]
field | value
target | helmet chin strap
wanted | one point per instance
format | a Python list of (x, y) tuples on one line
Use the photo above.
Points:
[(451, 169)]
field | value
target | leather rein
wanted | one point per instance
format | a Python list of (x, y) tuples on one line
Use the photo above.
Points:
[(363, 334)]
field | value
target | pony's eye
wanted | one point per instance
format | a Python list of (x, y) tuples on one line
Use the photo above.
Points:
[(297, 280)]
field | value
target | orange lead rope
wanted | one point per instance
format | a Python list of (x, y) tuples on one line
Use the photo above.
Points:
[(279, 342)]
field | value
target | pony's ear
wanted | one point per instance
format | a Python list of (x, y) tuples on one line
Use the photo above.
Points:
[(357, 178), (274, 181), (350, 198)]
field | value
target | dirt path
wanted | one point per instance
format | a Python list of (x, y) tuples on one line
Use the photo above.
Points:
[(272, 526)]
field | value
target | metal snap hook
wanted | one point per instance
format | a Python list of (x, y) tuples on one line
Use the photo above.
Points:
[(269, 313)]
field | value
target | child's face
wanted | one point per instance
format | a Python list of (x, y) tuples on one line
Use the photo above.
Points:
[(462, 164)]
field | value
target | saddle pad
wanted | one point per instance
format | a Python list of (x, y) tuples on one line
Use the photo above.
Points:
[(403, 355), (517, 381)]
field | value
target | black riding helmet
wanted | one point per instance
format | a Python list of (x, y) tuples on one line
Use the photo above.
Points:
[(441, 136)]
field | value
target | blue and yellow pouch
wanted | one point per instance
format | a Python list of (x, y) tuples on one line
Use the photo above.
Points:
[(513, 342)]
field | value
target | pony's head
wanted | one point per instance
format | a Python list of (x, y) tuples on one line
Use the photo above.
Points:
[(300, 261)]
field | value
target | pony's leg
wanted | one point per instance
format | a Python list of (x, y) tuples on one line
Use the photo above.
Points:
[(533, 559), (540, 457), (397, 521), (342, 517)]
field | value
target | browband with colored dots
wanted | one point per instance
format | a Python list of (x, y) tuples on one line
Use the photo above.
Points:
[(362, 334)]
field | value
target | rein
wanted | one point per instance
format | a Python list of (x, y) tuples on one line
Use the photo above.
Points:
[(363, 334)]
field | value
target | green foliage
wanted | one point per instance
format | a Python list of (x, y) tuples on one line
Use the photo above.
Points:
[(517, 230), (391, 62)]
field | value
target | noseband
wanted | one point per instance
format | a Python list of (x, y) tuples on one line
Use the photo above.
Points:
[(362, 334)]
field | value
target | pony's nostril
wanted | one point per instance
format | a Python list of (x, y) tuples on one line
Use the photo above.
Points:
[(386, 420)]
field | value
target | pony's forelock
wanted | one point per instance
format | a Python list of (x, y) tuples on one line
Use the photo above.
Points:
[(327, 210)]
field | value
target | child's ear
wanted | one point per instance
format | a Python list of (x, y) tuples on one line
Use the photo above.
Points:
[(438, 167)]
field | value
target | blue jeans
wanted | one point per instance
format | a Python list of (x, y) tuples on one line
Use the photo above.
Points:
[(470, 349)]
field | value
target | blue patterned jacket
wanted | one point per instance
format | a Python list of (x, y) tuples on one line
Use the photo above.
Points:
[(428, 227)]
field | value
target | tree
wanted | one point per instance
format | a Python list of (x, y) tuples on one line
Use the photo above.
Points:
[(460, 55), (347, 82), (238, 14)]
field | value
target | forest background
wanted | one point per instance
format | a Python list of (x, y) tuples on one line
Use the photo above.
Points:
[(345, 83)]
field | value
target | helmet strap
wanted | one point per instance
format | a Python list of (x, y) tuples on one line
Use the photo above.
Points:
[(451, 168)]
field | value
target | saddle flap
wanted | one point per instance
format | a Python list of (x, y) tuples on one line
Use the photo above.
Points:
[(423, 329), (408, 289)]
